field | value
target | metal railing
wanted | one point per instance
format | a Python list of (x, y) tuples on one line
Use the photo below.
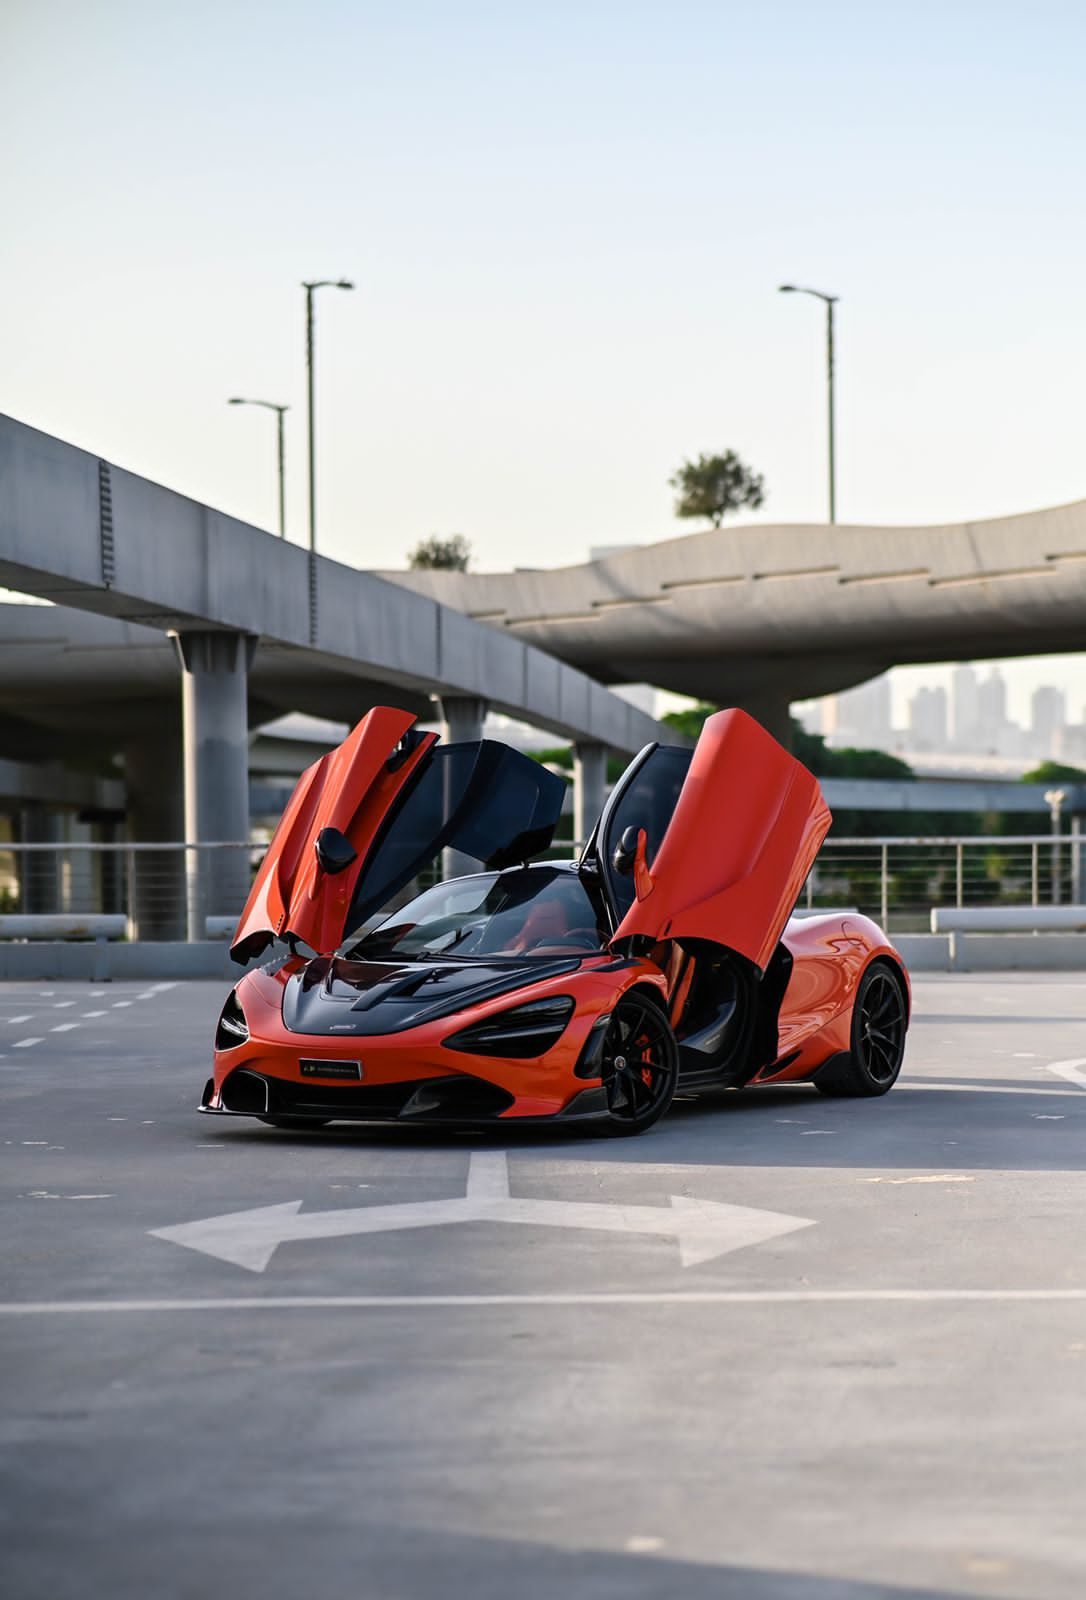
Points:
[(166, 891), (171, 890), (898, 880)]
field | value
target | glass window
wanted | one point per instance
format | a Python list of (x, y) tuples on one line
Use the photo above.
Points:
[(648, 802), (535, 912), (487, 800)]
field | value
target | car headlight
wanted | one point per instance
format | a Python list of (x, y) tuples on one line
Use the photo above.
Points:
[(233, 1028), (523, 1031)]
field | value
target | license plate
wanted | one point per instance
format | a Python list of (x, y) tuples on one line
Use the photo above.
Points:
[(330, 1069)]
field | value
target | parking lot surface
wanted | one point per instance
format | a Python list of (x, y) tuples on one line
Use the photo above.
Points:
[(782, 1346)]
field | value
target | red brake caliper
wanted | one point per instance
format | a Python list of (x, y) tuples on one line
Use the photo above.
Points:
[(646, 1071)]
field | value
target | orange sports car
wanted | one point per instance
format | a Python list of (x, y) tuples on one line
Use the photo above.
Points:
[(663, 961)]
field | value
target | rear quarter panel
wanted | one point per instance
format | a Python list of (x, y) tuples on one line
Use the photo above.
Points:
[(830, 955)]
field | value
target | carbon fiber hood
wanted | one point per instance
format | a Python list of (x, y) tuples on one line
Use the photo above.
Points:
[(342, 999)]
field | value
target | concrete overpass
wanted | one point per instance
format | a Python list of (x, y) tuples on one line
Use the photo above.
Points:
[(256, 622), (762, 616)]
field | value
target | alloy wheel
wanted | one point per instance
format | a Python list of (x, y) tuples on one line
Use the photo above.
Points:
[(639, 1065)]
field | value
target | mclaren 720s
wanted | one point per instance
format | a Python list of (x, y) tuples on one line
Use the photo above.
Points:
[(662, 961)]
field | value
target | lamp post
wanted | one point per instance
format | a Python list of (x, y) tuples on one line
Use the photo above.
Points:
[(310, 290), (1054, 799), (269, 405), (830, 300)]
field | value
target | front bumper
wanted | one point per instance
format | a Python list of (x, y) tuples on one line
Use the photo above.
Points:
[(412, 1075), (453, 1100)]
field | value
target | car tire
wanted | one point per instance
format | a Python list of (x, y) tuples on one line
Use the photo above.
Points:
[(876, 1041), (639, 1065)]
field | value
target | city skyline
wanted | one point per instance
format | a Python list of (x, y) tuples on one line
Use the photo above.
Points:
[(970, 712)]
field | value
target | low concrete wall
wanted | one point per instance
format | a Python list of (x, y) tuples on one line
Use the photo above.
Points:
[(923, 952), (100, 963), (992, 952), (1017, 952)]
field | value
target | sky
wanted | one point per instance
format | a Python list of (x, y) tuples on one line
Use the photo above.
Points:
[(567, 225)]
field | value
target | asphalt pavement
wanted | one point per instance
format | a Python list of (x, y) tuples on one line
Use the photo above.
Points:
[(781, 1348)]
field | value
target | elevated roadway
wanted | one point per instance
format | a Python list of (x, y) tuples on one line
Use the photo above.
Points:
[(763, 615), (253, 618)]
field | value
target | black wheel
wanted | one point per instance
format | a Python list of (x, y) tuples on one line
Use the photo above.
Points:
[(879, 1021), (297, 1124), (639, 1066)]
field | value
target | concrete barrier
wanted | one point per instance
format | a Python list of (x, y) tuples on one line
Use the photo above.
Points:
[(1008, 919), (992, 952), (99, 963), (58, 925), (89, 933)]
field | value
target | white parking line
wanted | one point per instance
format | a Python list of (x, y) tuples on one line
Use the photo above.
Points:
[(118, 1003), (24, 1018), (444, 1302), (94, 1014), (21, 1044), (64, 1027), (58, 1005), (1071, 1070), (981, 1088)]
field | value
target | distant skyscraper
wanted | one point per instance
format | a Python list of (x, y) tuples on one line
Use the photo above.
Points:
[(1048, 715), (991, 711), (863, 714), (927, 719), (965, 709)]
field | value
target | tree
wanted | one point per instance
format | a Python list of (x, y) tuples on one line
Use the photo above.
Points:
[(1054, 772), (690, 721), (712, 486), (447, 555)]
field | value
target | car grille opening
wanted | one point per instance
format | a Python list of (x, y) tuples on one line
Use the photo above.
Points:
[(518, 1033), (245, 1092), (458, 1098)]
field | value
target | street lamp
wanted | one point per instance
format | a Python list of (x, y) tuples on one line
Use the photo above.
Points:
[(1054, 799), (269, 405), (830, 301), (310, 290)]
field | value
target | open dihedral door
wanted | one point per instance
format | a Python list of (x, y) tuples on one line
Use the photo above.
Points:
[(366, 818), (738, 826)]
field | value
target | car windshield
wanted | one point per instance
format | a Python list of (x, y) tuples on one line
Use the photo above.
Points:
[(533, 912)]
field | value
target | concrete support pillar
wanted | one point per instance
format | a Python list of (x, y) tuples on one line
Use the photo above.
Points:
[(589, 785), (773, 711), (462, 717), (41, 871), (1076, 860), (155, 814), (215, 732)]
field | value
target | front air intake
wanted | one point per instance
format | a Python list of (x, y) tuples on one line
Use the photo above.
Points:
[(245, 1093)]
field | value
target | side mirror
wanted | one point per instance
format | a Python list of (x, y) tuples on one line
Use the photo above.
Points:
[(625, 851), (335, 852)]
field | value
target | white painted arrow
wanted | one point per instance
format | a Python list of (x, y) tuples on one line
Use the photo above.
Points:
[(704, 1229)]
